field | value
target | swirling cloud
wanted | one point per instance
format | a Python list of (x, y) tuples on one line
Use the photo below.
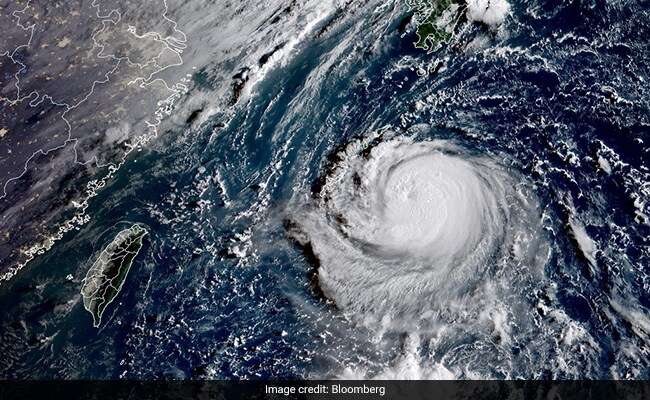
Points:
[(405, 229)]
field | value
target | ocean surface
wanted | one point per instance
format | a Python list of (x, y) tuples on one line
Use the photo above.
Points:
[(363, 208)]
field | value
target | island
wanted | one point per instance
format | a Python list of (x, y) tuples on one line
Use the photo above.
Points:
[(435, 20), (106, 277)]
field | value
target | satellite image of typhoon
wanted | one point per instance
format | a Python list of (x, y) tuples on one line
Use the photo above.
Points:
[(325, 189)]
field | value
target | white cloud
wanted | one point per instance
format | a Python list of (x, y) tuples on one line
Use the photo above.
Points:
[(490, 12)]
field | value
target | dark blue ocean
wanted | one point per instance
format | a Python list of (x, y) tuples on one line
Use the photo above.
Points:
[(222, 288)]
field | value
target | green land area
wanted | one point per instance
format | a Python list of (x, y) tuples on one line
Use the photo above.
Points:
[(106, 277), (434, 19)]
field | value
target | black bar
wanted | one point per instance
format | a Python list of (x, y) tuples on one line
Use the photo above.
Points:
[(324, 390)]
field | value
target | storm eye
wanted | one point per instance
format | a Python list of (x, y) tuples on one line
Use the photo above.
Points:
[(431, 205)]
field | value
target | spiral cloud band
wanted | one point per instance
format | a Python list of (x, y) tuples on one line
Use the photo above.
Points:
[(410, 229)]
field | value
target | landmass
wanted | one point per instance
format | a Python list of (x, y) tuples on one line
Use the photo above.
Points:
[(438, 21), (106, 277), (435, 20), (82, 84)]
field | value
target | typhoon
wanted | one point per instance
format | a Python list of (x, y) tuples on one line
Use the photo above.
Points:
[(419, 230)]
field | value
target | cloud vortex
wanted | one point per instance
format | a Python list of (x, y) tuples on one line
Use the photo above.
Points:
[(410, 230)]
